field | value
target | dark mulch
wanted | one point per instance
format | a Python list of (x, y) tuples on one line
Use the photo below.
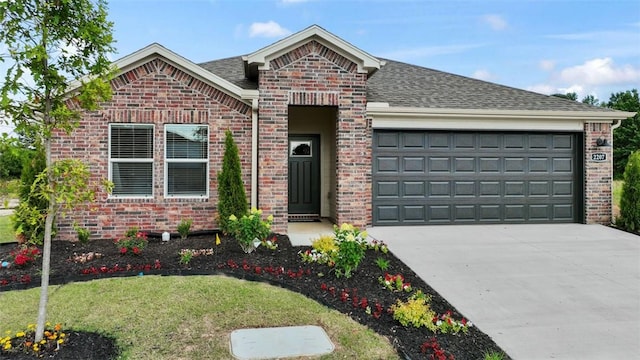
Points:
[(282, 267)]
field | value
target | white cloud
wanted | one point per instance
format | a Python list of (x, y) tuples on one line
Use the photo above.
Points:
[(547, 65), (543, 89), (575, 88), (482, 74), (267, 29), (600, 71), (496, 22)]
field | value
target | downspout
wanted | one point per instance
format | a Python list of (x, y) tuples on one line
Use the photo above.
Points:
[(254, 153), (616, 124)]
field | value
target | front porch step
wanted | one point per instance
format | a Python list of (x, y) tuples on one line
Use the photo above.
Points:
[(304, 217)]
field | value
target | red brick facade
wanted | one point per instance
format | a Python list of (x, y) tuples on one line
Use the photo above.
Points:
[(598, 176), (315, 75), (158, 93), (154, 93)]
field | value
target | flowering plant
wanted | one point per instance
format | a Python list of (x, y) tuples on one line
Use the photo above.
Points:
[(250, 230), (24, 255), (348, 232), (133, 242), (24, 341), (394, 282), (447, 324)]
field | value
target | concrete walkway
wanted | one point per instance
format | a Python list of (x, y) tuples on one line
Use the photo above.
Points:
[(567, 291)]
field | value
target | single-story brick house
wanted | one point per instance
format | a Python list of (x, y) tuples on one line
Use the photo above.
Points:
[(325, 129)]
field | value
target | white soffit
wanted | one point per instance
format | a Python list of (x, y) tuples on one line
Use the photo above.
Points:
[(385, 117), (366, 62)]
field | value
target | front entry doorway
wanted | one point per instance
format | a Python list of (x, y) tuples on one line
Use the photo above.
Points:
[(304, 177)]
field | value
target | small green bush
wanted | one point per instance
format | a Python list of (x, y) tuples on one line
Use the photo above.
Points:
[(232, 199), (630, 201), (184, 227), (415, 312), (325, 244), (249, 228), (83, 234), (29, 217)]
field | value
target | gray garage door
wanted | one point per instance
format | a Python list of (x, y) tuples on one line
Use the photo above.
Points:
[(424, 177)]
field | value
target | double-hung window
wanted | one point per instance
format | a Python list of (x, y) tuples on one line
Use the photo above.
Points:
[(186, 160), (131, 160)]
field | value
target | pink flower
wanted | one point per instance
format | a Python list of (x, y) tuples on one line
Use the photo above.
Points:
[(123, 250)]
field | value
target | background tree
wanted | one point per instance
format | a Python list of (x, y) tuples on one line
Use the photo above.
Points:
[(626, 138), (630, 200), (49, 43), (591, 100), (569, 96), (232, 199)]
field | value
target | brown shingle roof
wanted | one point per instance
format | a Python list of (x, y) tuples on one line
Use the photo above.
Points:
[(406, 85)]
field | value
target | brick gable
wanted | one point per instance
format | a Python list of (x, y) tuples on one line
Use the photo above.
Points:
[(157, 93)]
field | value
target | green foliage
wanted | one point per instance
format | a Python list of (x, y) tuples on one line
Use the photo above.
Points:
[(350, 254), (626, 138), (382, 263), (351, 249), (569, 96), (29, 216), (325, 244), (133, 242), (184, 227), (232, 199), (415, 311), (493, 355), (630, 201), (12, 156), (83, 234), (185, 256), (249, 228)]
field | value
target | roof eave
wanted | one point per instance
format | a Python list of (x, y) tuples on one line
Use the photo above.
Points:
[(383, 109)]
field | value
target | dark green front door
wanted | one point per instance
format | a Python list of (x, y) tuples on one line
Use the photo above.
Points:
[(304, 174)]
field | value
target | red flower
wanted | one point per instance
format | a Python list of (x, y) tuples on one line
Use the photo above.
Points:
[(123, 250), (136, 251), (157, 264), (21, 259)]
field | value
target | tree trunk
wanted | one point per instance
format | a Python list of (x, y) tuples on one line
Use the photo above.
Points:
[(46, 252)]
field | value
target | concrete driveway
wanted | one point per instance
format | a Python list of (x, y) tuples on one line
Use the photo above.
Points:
[(566, 291)]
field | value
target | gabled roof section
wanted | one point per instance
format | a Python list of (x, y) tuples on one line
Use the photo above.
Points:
[(156, 50), (260, 59)]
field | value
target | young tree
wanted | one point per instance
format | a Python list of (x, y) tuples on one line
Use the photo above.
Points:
[(49, 43), (630, 201), (626, 138), (232, 199)]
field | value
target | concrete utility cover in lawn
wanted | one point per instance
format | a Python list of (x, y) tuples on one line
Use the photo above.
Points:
[(280, 342)]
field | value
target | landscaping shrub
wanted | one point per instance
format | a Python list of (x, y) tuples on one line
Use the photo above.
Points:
[(250, 227), (29, 216), (184, 227), (630, 201), (232, 199)]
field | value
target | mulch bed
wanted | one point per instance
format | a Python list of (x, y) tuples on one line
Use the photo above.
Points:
[(282, 267)]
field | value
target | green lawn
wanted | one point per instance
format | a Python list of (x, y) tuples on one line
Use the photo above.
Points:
[(6, 230), (191, 317)]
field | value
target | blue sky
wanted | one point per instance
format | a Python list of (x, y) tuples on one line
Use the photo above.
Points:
[(548, 46)]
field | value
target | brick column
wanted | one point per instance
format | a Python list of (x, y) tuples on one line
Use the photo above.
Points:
[(598, 174)]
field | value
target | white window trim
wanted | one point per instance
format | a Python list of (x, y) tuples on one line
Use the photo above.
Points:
[(167, 161), (131, 160)]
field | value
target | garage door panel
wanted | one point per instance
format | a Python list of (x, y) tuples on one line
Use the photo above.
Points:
[(515, 164), (414, 189), (414, 213), (388, 164), (413, 141), (464, 164), (413, 164), (439, 165), (474, 177)]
